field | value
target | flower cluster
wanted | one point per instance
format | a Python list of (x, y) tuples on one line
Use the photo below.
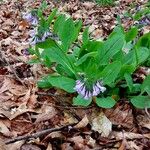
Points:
[(35, 38), (81, 89), (145, 21), (30, 18)]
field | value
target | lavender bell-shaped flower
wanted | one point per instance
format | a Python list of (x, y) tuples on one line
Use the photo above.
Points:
[(34, 40), (87, 93), (99, 85), (79, 86), (46, 35), (30, 18)]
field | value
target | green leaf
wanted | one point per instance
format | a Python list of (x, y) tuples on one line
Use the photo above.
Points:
[(51, 16), (110, 72), (146, 85), (131, 34), (78, 26), (46, 61), (67, 34), (48, 43), (129, 69), (144, 41), (129, 81), (141, 54), (94, 45), (60, 20), (107, 102), (110, 47), (44, 83), (141, 101), (31, 51), (85, 57), (55, 53), (85, 36), (79, 101), (64, 71), (61, 82)]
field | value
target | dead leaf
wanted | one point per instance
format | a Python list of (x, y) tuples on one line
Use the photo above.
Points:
[(23, 25), (15, 146), (66, 146), (3, 146), (121, 115), (49, 147), (79, 142), (4, 129), (102, 124), (7, 41), (144, 121), (29, 147), (83, 123), (20, 110), (47, 113), (129, 135)]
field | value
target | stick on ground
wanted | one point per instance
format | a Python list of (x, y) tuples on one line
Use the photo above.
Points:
[(38, 134)]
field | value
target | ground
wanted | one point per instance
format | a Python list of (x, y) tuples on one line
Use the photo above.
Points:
[(36, 119)]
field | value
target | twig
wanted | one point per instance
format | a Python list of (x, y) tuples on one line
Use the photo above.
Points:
[(38, 134), (46, 94), (67, 107)]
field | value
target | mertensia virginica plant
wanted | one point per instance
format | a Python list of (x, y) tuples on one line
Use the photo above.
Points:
[(93, 69)]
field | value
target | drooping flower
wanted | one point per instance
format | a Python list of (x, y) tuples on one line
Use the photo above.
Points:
[(30, 18), (46, 35), (25, 52), (36, 38), (87, 93), (145, 21)]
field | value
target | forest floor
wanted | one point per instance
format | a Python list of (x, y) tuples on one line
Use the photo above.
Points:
[(36, 119)]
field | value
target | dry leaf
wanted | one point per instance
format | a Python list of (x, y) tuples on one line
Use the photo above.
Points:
[(102, 124), (49, 147), (15, 146), (129, 135), (4, 129), (83, 123), (29, 147), (48, 112)]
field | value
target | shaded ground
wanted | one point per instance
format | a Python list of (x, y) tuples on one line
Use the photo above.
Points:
[(25, 109)]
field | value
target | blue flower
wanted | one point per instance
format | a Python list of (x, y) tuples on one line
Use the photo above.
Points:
[(30, 18), (87, 93)]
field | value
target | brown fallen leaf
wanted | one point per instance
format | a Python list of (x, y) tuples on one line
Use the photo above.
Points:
[(144, 121), (129, 135), (133, 145), (66, 146), (121, 115), (79, 143), (23, 25), (83, 123), (102, 124), (49, 147), (19, 111), (4, 129), (15, 146), (29, 147), (123, 145), (47, 113)]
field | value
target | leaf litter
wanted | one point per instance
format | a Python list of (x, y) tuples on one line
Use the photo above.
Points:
[(23, 112)]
